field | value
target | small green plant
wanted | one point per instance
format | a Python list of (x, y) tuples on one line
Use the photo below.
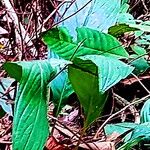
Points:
[(93, 61)]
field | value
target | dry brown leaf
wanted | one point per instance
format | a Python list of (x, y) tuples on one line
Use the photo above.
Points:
[(52, 144)]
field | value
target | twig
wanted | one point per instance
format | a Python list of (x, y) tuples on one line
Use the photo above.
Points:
[(5, 142), (54, 11), (141, 83), (72, 2), (115, 114), (71, 58), (39, 30), (113, 105), (135, 5), (71, 14), (124, 102), (79, 45), (138, 57), (145, 7), (14, 17)]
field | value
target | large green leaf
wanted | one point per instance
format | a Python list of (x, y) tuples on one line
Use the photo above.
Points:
[(97, 14), (91, 76), (93, 42), (105, 44), (30, 126), (110, 70), (86, 87)]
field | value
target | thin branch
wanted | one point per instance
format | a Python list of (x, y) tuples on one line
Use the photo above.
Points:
[(132, 109), (138, 57), (71, 14), (14, 18), (145, 7), (141, 83)]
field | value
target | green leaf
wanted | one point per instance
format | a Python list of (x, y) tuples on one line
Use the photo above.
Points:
[(61, 90), (6, 83), (142, 27), (60, 85), (124, 6), (138, 50), (124, 1), (139, 134), (13, 67), (120, 128), (30, 125), (110, 70), (145, 112), (91, 76), (120, 29), (140, 64), (125, 18), (93, 42), (97, 14), (86, 87), (144, 129), (129, 145), (138, 33)]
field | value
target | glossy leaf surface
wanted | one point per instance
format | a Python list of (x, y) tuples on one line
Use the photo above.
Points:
[(30, 125), (91, 76), (86, 87), (109, 70), (88, 42)]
